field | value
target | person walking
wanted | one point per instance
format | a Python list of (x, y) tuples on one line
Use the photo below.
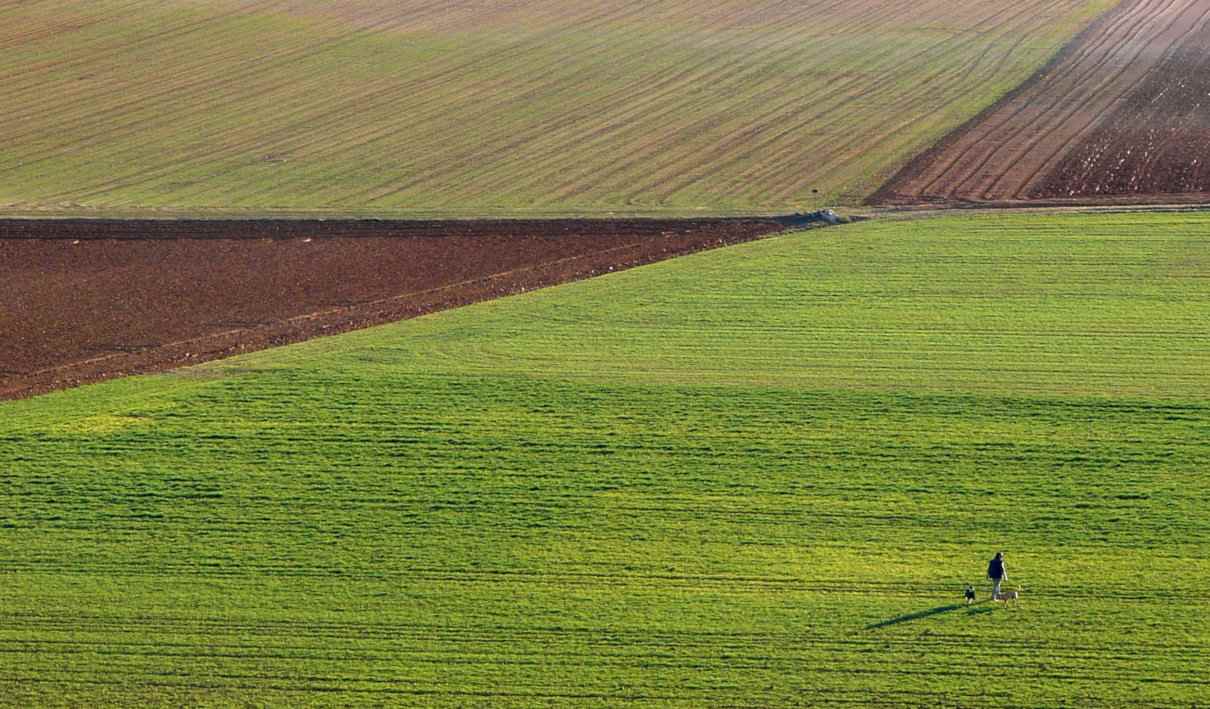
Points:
[(997, 573)]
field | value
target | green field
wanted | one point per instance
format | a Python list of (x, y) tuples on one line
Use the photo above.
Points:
[(539, 107), (756, 476)]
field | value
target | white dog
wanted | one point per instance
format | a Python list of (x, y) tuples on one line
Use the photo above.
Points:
[(1007, 596)]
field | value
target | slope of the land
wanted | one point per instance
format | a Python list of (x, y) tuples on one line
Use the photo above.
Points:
[(758, 476), (1120, 117), (87, 300), (487, 107)]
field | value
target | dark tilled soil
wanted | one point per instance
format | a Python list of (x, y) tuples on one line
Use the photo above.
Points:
[(1118, 117), (86, 300), (1155, 142)]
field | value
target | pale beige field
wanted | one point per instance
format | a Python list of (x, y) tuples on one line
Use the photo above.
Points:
[(484, 107)]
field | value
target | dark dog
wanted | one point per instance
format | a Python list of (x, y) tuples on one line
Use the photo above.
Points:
[(969, 594)]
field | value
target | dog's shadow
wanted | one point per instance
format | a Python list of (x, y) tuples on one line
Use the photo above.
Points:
[(972, 609)]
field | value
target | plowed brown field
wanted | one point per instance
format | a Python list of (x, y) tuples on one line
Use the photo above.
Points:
[(88, 300), (1122, 115)]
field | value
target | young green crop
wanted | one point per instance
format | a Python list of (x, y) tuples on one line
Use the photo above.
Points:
[(760, 476)]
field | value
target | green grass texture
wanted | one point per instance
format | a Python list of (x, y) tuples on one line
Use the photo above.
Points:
[(757, 476), (543, 107)]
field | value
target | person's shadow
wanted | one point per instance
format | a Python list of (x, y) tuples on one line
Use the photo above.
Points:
[(919, 615)]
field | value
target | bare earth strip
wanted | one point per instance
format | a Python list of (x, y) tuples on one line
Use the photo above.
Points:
[(1156, 141), (1120, 116), (89, 300)]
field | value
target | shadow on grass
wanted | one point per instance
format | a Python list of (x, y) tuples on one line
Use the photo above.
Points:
[(919, 615)]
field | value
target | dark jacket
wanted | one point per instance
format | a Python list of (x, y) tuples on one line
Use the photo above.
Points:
[(995, 569)]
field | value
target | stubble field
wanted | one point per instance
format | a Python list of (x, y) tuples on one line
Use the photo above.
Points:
[(755, 476), (474, 108)]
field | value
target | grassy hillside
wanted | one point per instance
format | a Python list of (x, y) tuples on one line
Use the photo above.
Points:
[(755, 476), (543, 106)]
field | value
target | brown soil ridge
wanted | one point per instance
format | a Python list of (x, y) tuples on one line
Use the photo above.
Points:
[(88, 300), (1122, 88)]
